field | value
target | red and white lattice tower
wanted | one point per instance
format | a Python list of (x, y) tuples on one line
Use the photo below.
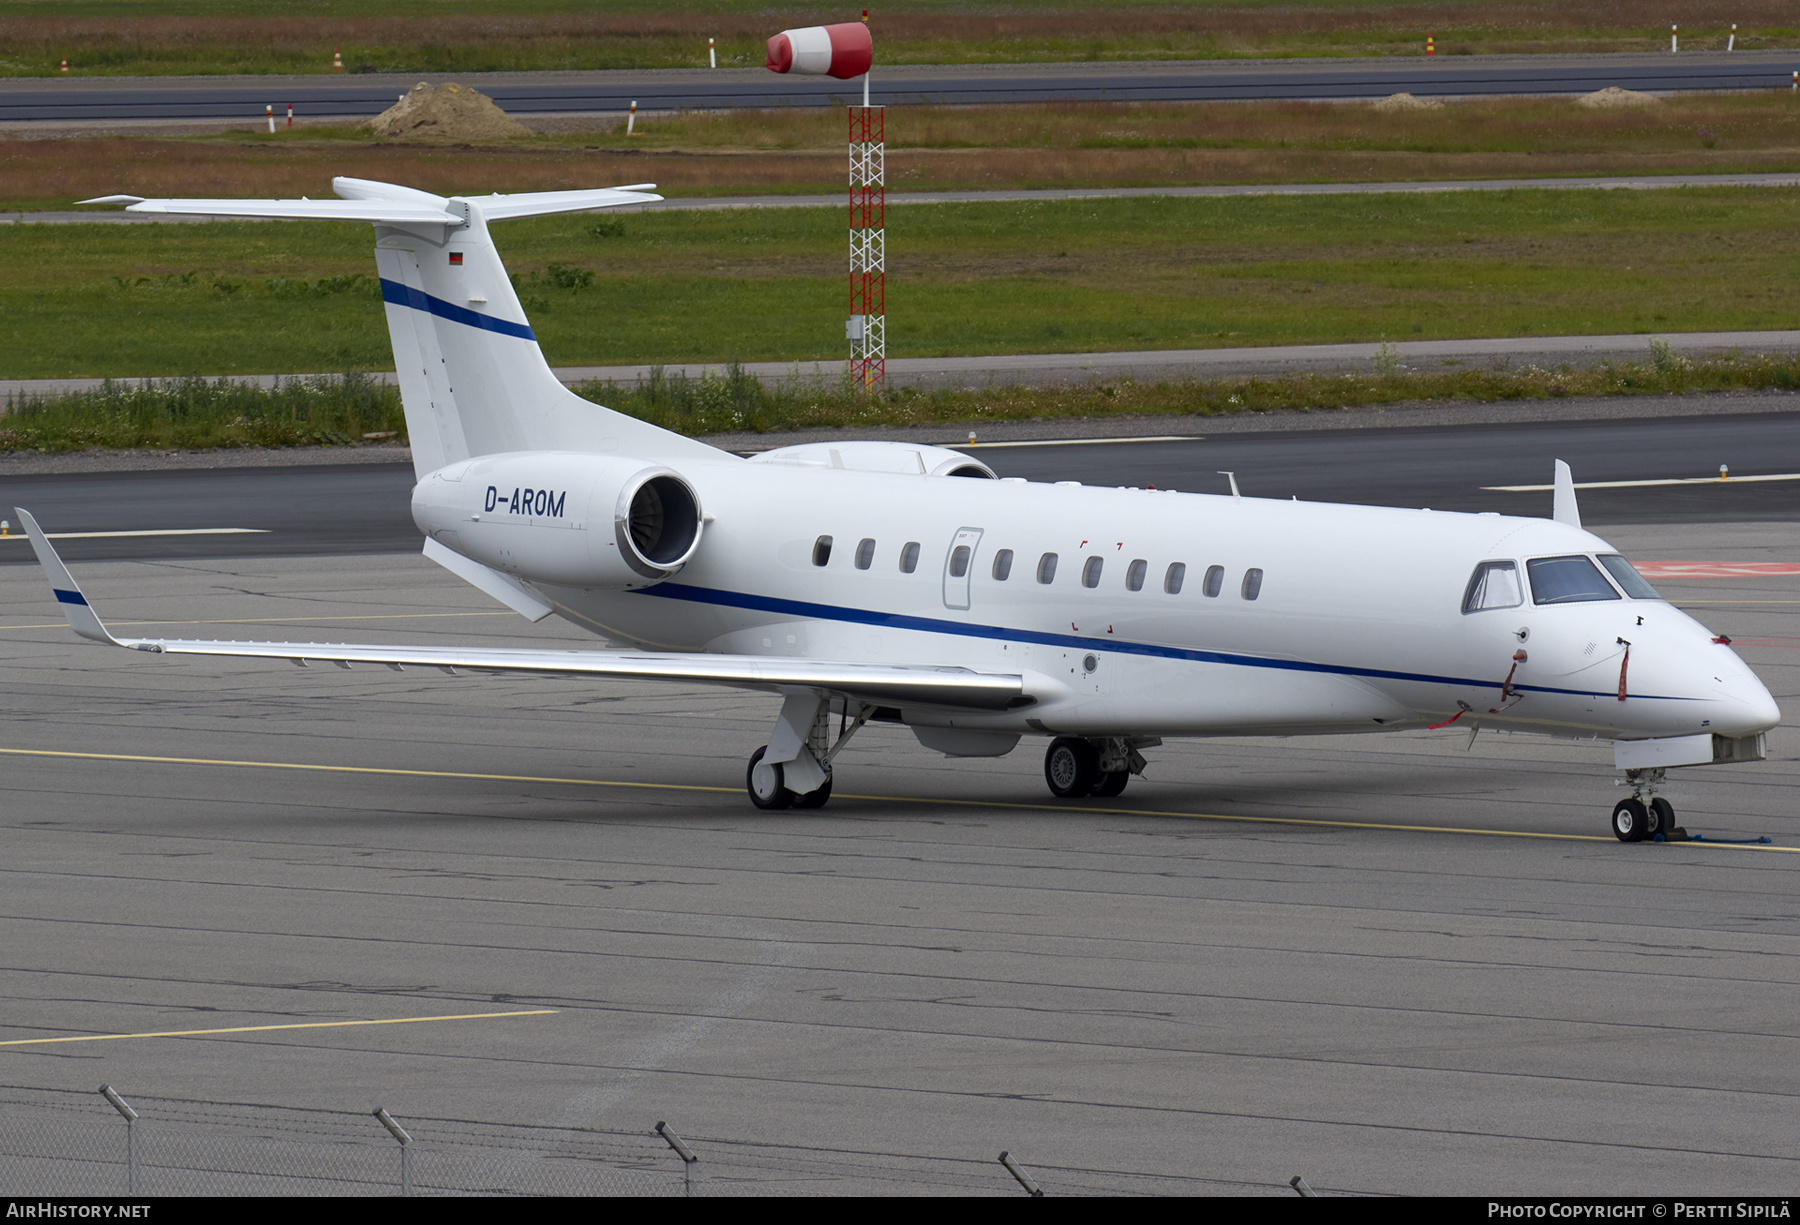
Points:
[(868, 248), (846, 51)]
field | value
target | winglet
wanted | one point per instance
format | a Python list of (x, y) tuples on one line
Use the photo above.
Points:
[(82, 617), (1562, 507)]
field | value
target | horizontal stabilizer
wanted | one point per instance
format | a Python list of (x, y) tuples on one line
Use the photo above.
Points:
[(547, 203), (297, 210), (390, 203)]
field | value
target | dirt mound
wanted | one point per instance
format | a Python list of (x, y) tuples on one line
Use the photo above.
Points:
[(448, 112), (1612, 95), (1406, 102)]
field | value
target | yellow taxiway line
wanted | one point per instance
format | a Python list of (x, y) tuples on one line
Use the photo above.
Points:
[(1001, 805), (261, 1029)]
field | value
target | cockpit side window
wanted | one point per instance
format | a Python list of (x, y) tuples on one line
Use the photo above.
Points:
[(1567, 580), (1625, 575), (1495, 584)]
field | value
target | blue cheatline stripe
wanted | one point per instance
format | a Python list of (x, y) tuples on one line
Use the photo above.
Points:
[(934, 625), (419, 300), (69, 597)]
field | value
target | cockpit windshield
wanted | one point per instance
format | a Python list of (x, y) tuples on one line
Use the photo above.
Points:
[(1625, 575), (1567, 580)]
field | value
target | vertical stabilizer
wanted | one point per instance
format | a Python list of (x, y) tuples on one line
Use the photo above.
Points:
[(1562, 506), (478, 383), (472, 378)]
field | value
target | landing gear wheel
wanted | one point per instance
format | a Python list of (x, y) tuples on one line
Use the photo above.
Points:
[(1111, 784), (1631, 821), (1071, 767), (814, 799), (767, 788), (1662, 817)]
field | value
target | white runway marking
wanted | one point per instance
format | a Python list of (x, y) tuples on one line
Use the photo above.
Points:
[(1673, 480)]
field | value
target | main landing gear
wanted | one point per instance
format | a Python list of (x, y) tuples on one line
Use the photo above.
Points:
[(1075, 766), (794, 769), (1645, 814)]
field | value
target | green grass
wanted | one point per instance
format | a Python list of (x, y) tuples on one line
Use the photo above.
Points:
[(198, 414), (732, 402), (770, 285)]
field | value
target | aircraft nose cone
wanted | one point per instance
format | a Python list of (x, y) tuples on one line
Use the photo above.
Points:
[(1752, 709)]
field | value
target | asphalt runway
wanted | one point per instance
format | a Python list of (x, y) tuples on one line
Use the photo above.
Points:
[(161, 99), (364, 508), (1390, 964)]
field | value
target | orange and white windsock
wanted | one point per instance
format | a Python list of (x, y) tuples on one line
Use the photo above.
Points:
[(841, 51)]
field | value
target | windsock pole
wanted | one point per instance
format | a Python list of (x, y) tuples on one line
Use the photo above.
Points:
[(845, 51)]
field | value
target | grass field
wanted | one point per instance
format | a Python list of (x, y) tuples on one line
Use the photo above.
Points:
[(222, 298), (197, 413), (187, 37), (1072, 145)]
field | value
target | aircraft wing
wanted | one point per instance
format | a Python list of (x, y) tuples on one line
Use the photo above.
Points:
[(873, 683)]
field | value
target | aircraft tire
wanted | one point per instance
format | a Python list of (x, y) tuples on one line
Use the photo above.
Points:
[(1662, 817), (1110, 784), (814, 799), (1630, 821), (1071, 767), (772, 794)]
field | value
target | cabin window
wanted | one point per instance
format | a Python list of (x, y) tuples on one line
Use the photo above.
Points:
[(1215, 581), (1003, 565), (1176, 576), (959, 561), (1567, 580), (865, 554), (909, 557), (821, 550), (1495, 584), (1090, 573), (1625, 575), (1134, 575), (1047, 569), (1252, 584)]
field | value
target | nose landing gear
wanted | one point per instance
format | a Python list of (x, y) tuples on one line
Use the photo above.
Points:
[(1645, 814)]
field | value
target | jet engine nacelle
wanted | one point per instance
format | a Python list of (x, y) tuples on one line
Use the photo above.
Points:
[(573, 520)]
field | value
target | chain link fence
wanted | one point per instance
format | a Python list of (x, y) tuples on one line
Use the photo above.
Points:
[(68, 1144)]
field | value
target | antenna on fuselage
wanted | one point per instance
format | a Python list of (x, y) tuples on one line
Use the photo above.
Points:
[(1232, 477), (1562, 507)]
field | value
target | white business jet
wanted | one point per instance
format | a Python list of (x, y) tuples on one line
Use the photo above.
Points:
[(903, 583)]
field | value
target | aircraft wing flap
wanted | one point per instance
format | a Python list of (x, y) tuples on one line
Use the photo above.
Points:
[(875, 683)]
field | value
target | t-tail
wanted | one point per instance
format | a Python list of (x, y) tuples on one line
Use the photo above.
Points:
[(472, 377)]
